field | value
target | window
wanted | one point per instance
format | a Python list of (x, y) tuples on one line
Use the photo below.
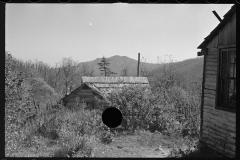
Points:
[(227, 79)]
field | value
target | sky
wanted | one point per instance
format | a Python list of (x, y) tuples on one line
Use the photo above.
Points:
[(84, 32)]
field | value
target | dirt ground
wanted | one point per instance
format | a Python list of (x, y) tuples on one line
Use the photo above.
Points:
[(122, 146), (130, 146)]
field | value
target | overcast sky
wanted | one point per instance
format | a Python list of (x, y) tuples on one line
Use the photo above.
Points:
[(49, 32)]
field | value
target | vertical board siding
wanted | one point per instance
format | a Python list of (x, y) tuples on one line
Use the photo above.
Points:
[(228, 34)]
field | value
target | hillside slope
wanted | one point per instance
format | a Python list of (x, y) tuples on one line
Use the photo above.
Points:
[(189, 67), (117, 63)]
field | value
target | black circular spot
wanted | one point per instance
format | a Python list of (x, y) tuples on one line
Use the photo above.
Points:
[(112, 117)]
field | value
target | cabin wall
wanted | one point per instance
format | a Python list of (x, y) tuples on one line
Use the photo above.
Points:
[(226, 36), (86, 95), (219, 127)]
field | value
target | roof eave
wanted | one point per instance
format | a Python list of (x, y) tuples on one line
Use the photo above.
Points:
[(216, 30)]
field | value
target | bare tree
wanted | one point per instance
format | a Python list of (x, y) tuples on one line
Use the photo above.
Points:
[(54, 77), (125, 71), (68, 67), (86, 70), (143, 68), (166, 76)]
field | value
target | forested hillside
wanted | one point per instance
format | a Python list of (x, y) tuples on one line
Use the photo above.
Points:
[(118, 64), (188, 67)]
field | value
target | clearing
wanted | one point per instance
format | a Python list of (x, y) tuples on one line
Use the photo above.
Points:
[(141, 145)]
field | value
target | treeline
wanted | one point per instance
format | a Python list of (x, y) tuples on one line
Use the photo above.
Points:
[(63, 77), (32, 92)]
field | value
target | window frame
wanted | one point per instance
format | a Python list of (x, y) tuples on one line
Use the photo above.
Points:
[(219, 59)]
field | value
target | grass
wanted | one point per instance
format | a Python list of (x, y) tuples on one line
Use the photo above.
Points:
[(204, 152)]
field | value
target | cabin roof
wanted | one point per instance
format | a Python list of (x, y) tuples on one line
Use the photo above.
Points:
[(226, 18), (115, 80), (104, 85)]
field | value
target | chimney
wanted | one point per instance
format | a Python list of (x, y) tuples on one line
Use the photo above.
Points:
[(138, 64), (218, 17)]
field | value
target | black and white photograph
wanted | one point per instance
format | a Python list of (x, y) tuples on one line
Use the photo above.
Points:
[(120, 80)]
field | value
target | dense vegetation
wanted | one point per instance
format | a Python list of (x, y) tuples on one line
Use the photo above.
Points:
[(169, 106), (33, 108)]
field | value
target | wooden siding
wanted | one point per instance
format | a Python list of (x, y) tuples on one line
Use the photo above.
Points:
[(85, 94), (219, 127), (226, 36)]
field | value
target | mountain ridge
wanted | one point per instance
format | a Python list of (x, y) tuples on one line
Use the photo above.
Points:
[(118, 63)]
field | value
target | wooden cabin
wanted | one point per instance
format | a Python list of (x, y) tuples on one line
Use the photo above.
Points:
[(98, 87), (218, 106)]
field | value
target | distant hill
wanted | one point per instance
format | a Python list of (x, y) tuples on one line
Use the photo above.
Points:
[(117, 63), (189, 67)]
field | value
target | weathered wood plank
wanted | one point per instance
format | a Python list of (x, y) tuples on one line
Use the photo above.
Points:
[(231, 119), (210, 80), (220, 118), (231, 140), (211, 60), (220, 147), (211, 56), (208, 91), (207, 114), (88, 93), (208, 99), (231, 129), (206, 120), (210, 107), (231, 135), (209, 142), (87, 99), (211, 63), (211, 68), (211, 76), (223, 114), (207, 103), (216, 117), (206, 132), (210, 87), (226, 35), (217, 137), (215, 112), (210, 84), (219, 129), (216, 127), (211, 72), (212, 43), (209, 95), (229, 153), (229, 114), (231, 124)]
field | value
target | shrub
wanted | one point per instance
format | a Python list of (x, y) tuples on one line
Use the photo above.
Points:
[(134, 101), (74, 145), (106, 136), (17, 104)]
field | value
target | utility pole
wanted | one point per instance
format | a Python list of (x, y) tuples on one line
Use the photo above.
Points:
[(138, 64)]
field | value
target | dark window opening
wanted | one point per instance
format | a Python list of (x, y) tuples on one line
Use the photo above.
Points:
[(227, 79)]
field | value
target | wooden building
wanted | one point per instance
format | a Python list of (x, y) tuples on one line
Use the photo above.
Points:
[(218, 106), (98, 87)]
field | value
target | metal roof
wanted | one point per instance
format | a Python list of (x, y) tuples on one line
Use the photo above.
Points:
[(105, 85), (115, 80), (226, 18)]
